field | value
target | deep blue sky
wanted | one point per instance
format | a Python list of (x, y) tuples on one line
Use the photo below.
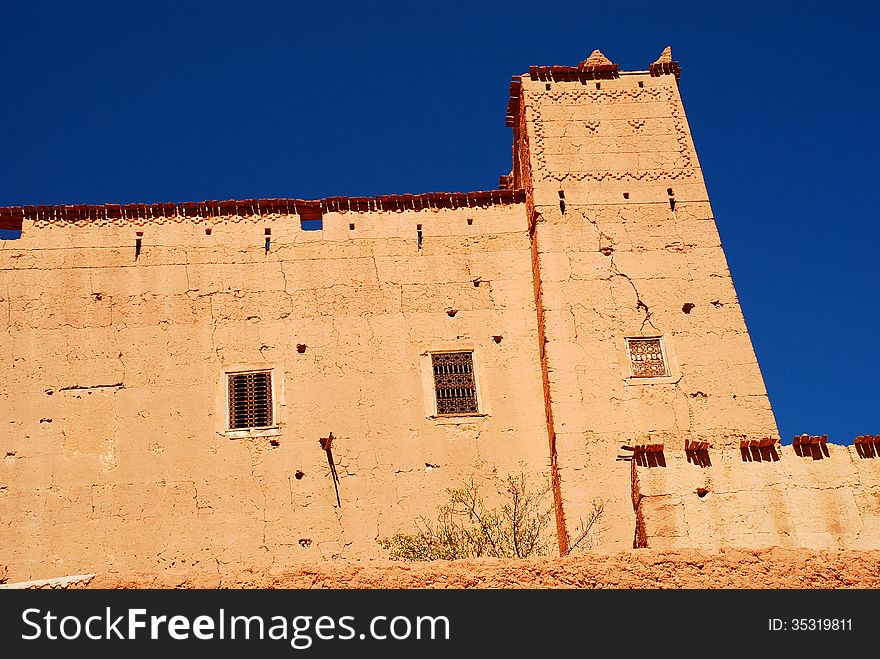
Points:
[(148, 102)]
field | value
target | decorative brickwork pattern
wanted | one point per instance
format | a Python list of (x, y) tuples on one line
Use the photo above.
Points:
[(585, 97)]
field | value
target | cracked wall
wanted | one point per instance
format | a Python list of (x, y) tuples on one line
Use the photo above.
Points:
[(626, 247), (113, 396)]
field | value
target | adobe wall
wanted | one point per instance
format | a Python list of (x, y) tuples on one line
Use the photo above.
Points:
[(113, 401), (625, 237), (113, 398), (825, 498)]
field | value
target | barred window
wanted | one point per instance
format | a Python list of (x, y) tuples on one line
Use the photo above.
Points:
[(250, 400), (454, 383), (646, 357)]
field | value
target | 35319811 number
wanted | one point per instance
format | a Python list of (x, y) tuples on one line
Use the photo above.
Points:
[(810, 624)]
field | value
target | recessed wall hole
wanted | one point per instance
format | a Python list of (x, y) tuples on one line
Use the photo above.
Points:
[(669, 191), (207, 231), (688, 306), (299, 474), (419, 235), (137, 245), (274, 443), (626, 195), (641, 84), (470, 221), (562, 194), (45, 420), (702, 491), (477, 282), (717, 303), (598, 85), (547, 86), (49, 392), (300, 348), (451, 312), (351, 227), (562, 205), (305, 542), (97, 296), (311, 223), (497, 338), (698, 394), (607, 251), (268, 234), (672, 203)]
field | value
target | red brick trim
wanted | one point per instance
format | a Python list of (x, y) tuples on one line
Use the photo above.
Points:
[(12, 216), (513, 103), (581, 72), (665, 68)]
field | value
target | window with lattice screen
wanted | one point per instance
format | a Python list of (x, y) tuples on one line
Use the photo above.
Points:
[(250, 400), (454, 384), (646, 357)]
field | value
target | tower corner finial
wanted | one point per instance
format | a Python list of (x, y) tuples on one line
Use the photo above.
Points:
[(596, 59), (665, 56), (665, 64)]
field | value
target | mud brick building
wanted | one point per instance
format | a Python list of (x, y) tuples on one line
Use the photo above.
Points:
[(172, 373)]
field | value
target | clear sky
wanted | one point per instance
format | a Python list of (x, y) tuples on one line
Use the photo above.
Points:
[(182, 101)]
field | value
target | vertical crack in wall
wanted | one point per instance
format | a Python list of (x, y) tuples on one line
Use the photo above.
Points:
[(561, 530), (640, 304)]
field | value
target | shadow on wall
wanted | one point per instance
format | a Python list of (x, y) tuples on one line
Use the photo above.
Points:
[(759, 453), (868, 446)]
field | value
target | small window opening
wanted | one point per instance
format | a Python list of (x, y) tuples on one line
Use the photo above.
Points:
[(137, 243), (250, 400), (419, 235), (454, 384), (646, 357), (312, 224), (598, 85), (268, 234), (626, 195), (641, 84), (470, 221), (351, 227), (547, 86), (208, 231)]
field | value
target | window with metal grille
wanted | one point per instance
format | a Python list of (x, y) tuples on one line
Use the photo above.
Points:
[(646, 357), (250, 400), (454, 383)]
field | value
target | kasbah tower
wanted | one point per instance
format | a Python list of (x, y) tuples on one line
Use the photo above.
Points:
[(268, 382)]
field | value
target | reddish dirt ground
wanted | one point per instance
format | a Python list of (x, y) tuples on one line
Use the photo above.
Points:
[(775, 568)]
